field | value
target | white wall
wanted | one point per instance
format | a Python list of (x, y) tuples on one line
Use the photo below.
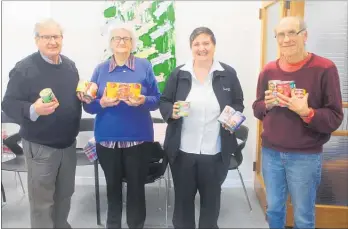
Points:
[(235, 24)]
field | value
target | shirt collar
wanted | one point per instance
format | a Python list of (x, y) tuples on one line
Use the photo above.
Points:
[(130, 63), (50, 61), (215, 67)]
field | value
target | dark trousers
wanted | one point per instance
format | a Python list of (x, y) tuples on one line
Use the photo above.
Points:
[(132, 164), (192, 172)]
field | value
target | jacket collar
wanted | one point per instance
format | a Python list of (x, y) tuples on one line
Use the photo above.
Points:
[(216, 69)]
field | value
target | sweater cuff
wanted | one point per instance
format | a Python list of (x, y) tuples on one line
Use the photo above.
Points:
[(308, 119)]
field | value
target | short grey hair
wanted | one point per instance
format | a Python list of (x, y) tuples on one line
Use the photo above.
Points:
[(301, 23), (46, 22), (125, 26), (202, 30)]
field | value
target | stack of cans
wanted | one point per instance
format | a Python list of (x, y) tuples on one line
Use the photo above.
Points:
[(285, 88), (231, 118)]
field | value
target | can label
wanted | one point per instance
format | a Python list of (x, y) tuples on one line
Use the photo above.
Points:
[(231, 118), (123, 91), (91, 92), (82, 86), (272, 86), (299, 92), (88, 89), (184, 108), (47, 95)]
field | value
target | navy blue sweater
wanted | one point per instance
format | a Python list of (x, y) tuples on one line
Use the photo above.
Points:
[(26, 80)]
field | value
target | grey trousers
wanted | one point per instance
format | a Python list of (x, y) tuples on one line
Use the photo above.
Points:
[(51, 184)]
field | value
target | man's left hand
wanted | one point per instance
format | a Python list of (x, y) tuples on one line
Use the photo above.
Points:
[(134, 102), (297, 105)]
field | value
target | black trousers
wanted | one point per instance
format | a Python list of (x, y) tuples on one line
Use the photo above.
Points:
[(192, 172), (131, 163)]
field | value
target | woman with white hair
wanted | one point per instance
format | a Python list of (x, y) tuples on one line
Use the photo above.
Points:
[(123, 128)]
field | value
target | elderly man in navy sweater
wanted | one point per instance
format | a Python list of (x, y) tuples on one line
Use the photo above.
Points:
[(294, 134), (48, 130)]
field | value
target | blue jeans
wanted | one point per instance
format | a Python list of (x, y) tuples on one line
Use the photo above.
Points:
[(296, 173)]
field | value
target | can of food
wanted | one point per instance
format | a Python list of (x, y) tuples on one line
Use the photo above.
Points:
[(82, 86), (91, 92), (272, 86), (231, 118), (111, 90), (299, 92), (135, 90), (235, 121), (292, 84), (47, 95), (184, 108), (284, 89)]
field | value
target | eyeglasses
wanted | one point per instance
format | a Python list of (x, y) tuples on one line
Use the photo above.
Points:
[(290, 34), (118, 39), (47, 38)]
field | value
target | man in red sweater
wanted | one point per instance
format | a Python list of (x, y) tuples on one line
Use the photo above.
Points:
[(294, 134)]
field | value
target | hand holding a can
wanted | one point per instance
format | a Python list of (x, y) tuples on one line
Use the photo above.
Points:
[(176, 109), (270, 99), (297, 104), (108, 102), (135, 101), (42, 108)]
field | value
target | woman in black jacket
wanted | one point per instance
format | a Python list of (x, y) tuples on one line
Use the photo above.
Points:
[(198, 147)]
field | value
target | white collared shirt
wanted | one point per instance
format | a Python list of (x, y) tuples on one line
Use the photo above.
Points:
[(200, 130)]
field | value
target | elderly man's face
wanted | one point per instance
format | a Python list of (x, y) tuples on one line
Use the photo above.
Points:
[(121, 41), (291, 40), (49, 40), (203, 48)]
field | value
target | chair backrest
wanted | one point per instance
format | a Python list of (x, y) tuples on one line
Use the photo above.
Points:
[(237, 157), (242, 133), (12, 143), (86, 124)]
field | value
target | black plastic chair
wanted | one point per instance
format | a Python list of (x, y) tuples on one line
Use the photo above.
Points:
[(87, 125), (17, 164), (237, 157)]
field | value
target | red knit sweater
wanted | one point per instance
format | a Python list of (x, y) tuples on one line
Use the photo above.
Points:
[(284, 130)]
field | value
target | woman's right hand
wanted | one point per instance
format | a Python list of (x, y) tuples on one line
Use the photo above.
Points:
[(108, 102), (270, 99), (175, 111)]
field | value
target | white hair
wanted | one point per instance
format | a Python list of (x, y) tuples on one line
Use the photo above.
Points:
[(44, 23), (125, 26)]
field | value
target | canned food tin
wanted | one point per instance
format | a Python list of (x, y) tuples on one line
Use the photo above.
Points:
[(47, 95), (82, 86), (272, 86), (111, 90), (299, 92), (231, 118), (184, 108), (91, 92)]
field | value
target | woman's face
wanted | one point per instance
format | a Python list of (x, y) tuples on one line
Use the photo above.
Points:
[(203, 48), (121, 41)]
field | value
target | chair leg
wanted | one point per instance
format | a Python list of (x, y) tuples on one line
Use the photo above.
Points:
[(166, 201), (20, 180), (169, 184), (3, 193), (245, 191), (124, 193), (96, 185), (159, 188)]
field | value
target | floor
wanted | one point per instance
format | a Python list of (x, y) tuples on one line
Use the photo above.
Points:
[(234, 211)]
